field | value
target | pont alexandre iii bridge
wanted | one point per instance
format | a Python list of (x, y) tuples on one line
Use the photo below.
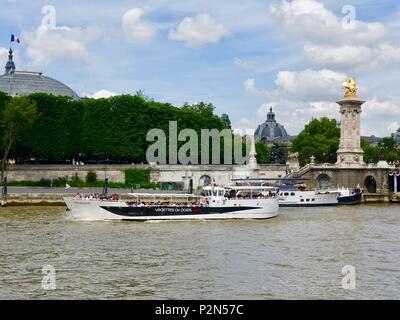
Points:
[(350, 169)]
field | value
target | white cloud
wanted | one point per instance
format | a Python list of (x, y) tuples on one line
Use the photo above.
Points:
[(309, 84), (393, 126), (379, 116), (388, 108), (45, 45), (198, 30), (136, 29), (303, 85), (347, 56), (102, 94), (324, 109), (309, 20), (251, 89), (329, 43), (245, 125)]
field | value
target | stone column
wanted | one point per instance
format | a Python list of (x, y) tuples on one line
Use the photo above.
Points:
[(252, 154), (350, 153)]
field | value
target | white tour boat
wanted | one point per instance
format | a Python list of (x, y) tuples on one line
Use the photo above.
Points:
[(302, 198), (214, 204), (294, 195)]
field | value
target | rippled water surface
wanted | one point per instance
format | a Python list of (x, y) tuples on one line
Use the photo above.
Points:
[(299, 255)]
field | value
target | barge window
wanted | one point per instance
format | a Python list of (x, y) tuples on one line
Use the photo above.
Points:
[(292, 194), (286, 193), (301, 200)]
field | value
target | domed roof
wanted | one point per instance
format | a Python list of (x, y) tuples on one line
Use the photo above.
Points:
[(19, 83), (270, 130)]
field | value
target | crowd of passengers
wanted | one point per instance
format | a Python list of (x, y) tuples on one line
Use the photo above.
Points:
[(96, 196), (232, 195), (114, 197)]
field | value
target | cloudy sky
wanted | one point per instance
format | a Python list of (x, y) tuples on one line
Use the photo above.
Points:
[(242, 56)]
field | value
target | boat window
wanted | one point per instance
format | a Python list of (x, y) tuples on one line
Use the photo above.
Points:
[(308, 200), (286, 193), (221, 193), (215, 193), (301, 200), (292, 194), (312, 199)]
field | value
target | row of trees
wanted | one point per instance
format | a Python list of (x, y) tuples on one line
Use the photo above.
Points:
[(275, 153), (58, 129)]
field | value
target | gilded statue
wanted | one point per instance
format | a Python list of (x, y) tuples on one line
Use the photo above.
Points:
[(351, 88)]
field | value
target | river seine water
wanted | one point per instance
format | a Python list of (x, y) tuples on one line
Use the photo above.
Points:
[(298, 255)]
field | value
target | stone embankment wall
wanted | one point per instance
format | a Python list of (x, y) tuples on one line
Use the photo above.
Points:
[(115, 173), (221, 174)]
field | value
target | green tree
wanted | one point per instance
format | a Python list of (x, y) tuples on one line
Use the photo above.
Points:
[(262, 153), (112, 129), (56, 133), (388, 146), (278, 153), (320, 138), (18, 116), (371, 153), (226, 121), (389, 143)]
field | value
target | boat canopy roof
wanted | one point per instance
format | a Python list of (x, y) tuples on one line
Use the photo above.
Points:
[(251, 188), (271, 179), (163, 195), (219, 188)]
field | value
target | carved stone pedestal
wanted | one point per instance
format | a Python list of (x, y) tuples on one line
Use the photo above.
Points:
[(350, 153)]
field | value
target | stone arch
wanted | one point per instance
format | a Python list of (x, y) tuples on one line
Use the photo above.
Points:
[(323, 181), (205, 180), (370, 184)]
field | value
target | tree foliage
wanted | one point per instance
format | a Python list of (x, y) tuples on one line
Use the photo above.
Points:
[(17, 117), (278, 153), (263, 153), (371, 153), (112, 129), (320, 138), (386, 149)]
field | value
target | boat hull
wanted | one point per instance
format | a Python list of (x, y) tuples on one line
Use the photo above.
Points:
[(98, 210), (351, 199), (299, 205)]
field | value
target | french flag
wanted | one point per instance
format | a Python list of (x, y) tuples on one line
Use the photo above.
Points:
[(16, 39)]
